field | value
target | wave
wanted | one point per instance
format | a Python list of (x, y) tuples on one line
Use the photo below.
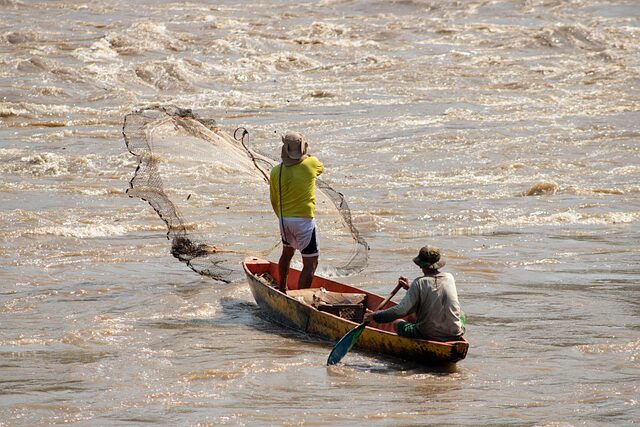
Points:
[(49, 164), (571, 36), (20, 37), (165, 75), (632, 348), (565, 218), (146, 37), (80, 231)]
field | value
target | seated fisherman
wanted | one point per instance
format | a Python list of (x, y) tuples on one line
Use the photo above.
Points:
[(432, 297)]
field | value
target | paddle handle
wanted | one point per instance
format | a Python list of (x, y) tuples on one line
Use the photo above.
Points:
[(391, 295), (386, 300)]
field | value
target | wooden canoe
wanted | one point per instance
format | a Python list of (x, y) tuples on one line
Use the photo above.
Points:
[(293, 312)]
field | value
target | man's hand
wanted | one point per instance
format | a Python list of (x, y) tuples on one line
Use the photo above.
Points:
[(368, 317), (404, 282)]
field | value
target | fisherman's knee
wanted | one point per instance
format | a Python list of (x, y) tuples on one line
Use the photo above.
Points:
[(310, 263)]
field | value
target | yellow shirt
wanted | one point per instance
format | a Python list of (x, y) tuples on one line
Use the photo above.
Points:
[(298, 188)]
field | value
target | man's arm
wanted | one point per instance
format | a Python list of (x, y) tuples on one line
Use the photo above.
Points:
[(318, 166), (405, 307)]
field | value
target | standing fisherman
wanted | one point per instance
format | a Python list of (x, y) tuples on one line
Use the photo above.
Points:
[(292, 194)]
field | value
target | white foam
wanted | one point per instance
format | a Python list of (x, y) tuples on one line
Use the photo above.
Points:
[(80, 231), (99, 51)]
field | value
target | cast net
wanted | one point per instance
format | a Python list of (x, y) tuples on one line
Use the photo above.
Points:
[(212, 192)]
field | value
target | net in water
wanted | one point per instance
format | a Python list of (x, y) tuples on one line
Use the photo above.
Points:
[(212, 191)]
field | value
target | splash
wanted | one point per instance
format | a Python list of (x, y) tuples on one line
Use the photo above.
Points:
[(211, 190)]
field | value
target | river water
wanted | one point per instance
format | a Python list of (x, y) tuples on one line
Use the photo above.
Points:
[(505, 132)]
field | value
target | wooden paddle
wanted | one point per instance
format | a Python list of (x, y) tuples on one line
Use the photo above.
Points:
[(349, 339)]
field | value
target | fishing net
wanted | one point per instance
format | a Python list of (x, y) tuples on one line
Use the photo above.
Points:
[(212, 192)]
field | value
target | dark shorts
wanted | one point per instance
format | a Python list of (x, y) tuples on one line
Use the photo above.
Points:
[(406, 329), (312, 248)]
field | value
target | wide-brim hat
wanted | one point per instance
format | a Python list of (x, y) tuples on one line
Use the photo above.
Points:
[(429, 257), (294, 148)]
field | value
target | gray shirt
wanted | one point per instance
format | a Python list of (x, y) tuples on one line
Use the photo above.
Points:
[(434, 299)]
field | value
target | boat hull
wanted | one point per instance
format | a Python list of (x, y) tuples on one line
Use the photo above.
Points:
[(295, 314)]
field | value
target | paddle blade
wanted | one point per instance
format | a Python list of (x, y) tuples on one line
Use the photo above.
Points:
[(343, 346)]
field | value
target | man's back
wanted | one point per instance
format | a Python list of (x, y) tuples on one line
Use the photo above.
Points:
[(293, 199), (297, 188), (438, 311)]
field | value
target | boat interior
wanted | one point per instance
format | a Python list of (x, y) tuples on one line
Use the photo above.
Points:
[(348, 305), (326, 295)]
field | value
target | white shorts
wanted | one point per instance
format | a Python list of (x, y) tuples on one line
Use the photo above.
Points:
[(300, 234)]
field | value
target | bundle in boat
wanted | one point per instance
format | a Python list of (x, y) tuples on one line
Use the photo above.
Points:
[(349, 306)]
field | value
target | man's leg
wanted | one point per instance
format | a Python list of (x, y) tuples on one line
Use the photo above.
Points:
[(283, 266), (310, 256), (309, 265)]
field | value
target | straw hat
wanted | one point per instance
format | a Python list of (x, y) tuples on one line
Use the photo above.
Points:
[(294, 148)]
